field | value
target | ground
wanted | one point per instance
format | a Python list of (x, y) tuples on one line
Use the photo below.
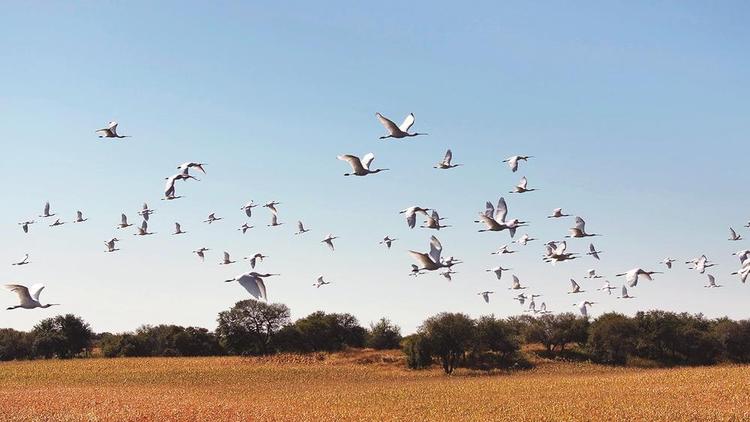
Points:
[(361, 385)]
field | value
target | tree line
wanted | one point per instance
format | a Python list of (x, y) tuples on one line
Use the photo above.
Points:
[(450, 340)]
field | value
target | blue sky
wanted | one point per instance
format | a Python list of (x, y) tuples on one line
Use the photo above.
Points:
[(636, 112)]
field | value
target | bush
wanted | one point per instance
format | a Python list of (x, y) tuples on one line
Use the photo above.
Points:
[(734, 339), (15, 344), (384, 335), (612, 339), (555, 332), (449, 336), (64, 336), (417, 351), (329, 332)]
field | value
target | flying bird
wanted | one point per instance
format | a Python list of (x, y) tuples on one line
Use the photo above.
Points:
[(123, 222), (253, 283), (398, 132), (110, 245), (607, 287), (360, 167), (516, 284), (24, 261), (178, 229), (25, 225), (245, 227), (558, 213), (185, 167), (387, 241), (46, 212), (593, 252), (633, 275), (248, 208), (498, 271), (522, 186), (272, 206), (448, 274), (712, 282), (411, 214), (502, 251), (583, 307), (592, 274), (143, 230), (415, 271), (211, 218), (79, 217), (201, 253), (227, 260), (57, 223), (320, 282), (274, 221), (430, 261), (446, 163), (110, 131), (575, 287), (523, 240), (145, 211), (433, 222), (625, 294), (485, 295), (28, 298), (668, 262), (580, 229), (257, 257), (301, 228), (513, 161), (328, 240), (733, 235)]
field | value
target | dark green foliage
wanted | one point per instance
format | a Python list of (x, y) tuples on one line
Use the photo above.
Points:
[(612, 338), (249, 326), (15, 345), (417, 351), (161, 340), (384, 335), (329, 332), (449, 336), (555, 332), (64, 336)]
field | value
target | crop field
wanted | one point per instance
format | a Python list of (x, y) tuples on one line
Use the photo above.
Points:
[(361, 385)]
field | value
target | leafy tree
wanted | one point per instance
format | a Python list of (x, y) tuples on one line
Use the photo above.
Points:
[(557, 331), (384, 335), (495, 335), (613, 338), (448, 335), (329, 332), (15, 344), (417, 351), (249, 326), (734, 337), (64, 336)]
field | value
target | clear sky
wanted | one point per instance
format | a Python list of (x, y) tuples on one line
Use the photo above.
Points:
[(636, 112)]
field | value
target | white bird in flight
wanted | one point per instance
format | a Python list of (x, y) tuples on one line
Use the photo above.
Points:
[(24, 261), (253, 283), (580, 229), (498, 271), (516, 284), (143, 230), (255, 258), (28, 298), (145, 211), (558, 213), (668, 262), (46, 212), (433, 222), (575, 287), (522, 186), (79, 217), (201, 253), (248, 208), (593, 252), (274, 221), (625, 294), (301, 228), (360, 167), (430, 261), (486, 295), (245, 227), (592, 274), (25, 225), (398, 132), (411, 214), (57, 223), (320, 282), (211, 218), (110, 131), (733, 235), (328, 240), (712, 282), (185, 167), (583, 307), (446, 163), (513, 161), (607, 287), (633, 275), (178, 229), (110, 245), (387, 241), (448, 274), (523, 240), (272, 206), (502, 251), (227, 259)]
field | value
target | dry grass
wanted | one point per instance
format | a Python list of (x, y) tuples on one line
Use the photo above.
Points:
[(363, 385)]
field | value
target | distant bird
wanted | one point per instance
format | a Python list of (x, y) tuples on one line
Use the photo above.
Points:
[(257, 257), (415, 271), (185, 167), (448, 274), (433, 222), (248, 208), (502, 251), (633, 275), (57, 223), (398, 132), (580, 229), (24, 261), (743, 255), (387, 241), (521, 298), (145, 211), (700, 264), (557, 213), (516, 284), (110, 245), (430, 261), (320, 282), (178, 229), (494, 218), (446, 163), (253, 283), (485, 295), (201, 253), (79, 217), (227, 259), (123, 222), (592, 274), (543, 309), (301, 228), (143, 230), (575, 288), (625, 294), (513, 161), (607, 287), (411, 214), (712, 282), (169, 187), (582, 307), (522, 186), (668, 262), (245, 227), (28, 298), (744, 271), (46, 212), (274, 221), (110, 131), (556, 252), (593, 252), (498, 271), (532, 306), (523, 240), (25, 225), (272, 206), (328, 240), (360, 167), (211, 218), (733, 235)]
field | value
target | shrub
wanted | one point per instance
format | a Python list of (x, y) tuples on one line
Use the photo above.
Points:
[(417, 351), (448, 335), (384, 335)]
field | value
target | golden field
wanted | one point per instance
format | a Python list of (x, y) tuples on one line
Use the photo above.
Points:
[(361, 385)]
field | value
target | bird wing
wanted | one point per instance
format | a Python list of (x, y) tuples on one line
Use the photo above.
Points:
[(353, 161), (23, 293), (732, 233), (79, 215), (300, 227), (516, 282), (226, 256), (408, 122), (580, 224), (274, 220), (448, 157), (411, 220), (177, 227), (523, 183), (501, 211), (711, 280), (388, 124), (36, 290), (624, 291), (144, 226), (422, 258), (574, 284), (436, 249), (46, 208), (367, 160), (561, 248), (252, 285), (513, 164), (489, 210)]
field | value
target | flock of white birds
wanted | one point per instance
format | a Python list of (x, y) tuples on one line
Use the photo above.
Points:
[(494, 218)]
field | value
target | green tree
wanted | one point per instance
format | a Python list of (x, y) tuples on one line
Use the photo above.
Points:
[(249, 326), (64, 336), (613, 338), (384, 335), (448, 335)]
